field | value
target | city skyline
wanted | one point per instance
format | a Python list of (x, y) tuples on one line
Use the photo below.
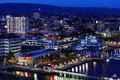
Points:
[(71, 3), (44, 42)]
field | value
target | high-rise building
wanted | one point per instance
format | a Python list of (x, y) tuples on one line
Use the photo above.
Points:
[(16, 24)]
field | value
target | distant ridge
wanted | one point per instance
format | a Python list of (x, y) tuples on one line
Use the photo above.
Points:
[(27, 9)]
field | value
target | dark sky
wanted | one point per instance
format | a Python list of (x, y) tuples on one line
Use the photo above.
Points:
[(72, 3)]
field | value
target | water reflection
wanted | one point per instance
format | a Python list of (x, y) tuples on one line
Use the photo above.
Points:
[(99, 69), (83, 68), (73, 70), (108, 70), (86, 67), (55, 77), (80, 68), (94, 64), (76, 69), (35, 76), (23, 74)]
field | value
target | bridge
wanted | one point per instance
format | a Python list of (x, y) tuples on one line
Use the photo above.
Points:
[(37, 53), (14, 68), (115, 57)]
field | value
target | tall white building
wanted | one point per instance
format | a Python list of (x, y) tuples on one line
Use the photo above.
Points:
[(16, 24)]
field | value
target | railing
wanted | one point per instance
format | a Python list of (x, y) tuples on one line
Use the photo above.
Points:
[(74, 74), (59, 73)]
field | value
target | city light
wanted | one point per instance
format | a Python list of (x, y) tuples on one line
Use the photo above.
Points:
[(43, 42)]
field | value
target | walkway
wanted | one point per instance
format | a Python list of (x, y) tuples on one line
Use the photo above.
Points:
[(37, 53)]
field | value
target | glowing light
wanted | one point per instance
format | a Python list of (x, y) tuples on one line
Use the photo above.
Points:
[(97, 22), (80, 68), (22, 74), (111, 79), (26, 74), (94, 63), (72, 69), (35, 76), (76, 69), (114, 75), (6, 26), (107, 60), (17, 72), (55, 77), (83, 66), (86, 67)]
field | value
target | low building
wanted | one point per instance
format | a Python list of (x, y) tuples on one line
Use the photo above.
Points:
[(10, 43), (33, 58)]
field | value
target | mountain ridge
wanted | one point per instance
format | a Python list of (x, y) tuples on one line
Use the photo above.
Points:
[(29, 8)]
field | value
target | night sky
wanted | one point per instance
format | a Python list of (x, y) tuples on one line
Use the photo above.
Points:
[(72, 3)]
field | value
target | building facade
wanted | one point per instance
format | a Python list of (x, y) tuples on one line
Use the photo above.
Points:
[(10, 45), (16, 24), (2, 24)]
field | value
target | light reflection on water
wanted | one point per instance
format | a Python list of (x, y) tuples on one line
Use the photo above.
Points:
[(80, 68), (83, 68), (35, 76), (86, 67), (106, 69), (54, 77), (109, 70)]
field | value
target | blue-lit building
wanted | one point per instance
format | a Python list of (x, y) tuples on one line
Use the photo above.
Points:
[(89, 45), (2, 24)]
